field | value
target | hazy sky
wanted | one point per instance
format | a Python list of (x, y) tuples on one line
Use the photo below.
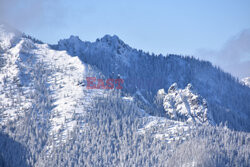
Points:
[(206, 29)]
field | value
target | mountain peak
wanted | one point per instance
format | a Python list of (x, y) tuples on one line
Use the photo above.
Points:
[(112, 41), (74, 38), (73, 44), (110, 38)]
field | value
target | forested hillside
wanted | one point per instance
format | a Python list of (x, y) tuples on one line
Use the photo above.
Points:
[(172, 110)]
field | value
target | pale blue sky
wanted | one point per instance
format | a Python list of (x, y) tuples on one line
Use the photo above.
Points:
[(159, 26)]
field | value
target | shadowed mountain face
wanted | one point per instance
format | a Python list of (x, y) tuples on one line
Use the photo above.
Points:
[(12, 153), (227, 99)]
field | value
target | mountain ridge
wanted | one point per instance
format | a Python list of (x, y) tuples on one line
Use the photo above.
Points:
[(111, 55), (132, 63), (46, 106)]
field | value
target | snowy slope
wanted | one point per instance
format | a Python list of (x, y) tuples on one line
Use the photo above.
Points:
[(33, 69), (161, 127), (70, 98), (14, 98), (164, 129)]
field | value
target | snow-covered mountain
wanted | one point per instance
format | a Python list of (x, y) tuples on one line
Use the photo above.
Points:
[(44, 101), (146, 74), (33, 69)]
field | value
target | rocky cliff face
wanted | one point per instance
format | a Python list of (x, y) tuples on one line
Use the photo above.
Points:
[(185, 105), (246, 81)]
